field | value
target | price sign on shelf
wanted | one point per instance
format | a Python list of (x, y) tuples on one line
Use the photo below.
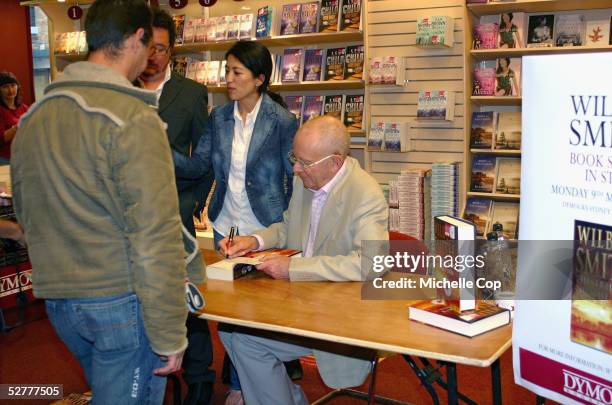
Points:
[(75, 12), (207, 3), (177, 3)]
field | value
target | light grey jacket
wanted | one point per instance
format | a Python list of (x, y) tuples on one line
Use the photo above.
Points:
[(355, 211), (94, 189)]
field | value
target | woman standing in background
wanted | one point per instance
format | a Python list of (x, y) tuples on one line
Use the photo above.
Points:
[(11, 109)]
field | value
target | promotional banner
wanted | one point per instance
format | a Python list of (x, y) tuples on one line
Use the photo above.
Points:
[(562, 341)]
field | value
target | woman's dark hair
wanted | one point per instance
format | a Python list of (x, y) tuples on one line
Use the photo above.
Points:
[(9, 78), (255, 57), (499, 67), (503, 23), (110, 22), (277, 98), (161, 19)]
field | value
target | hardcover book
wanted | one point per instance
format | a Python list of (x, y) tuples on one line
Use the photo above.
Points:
[(353, 62), (313, 61), (508, 176), (376, 136), (329, 15), (597, 31), (290, 19), (313, 105), (179, 25), (508, 131), (333, 106), (393, 70), (569, 30), (512, 30), (294, 105), (470, 323), (485, 36), (540, 32), (507, 214), (246, 26), (478, 211), (483, 125), (350, 15), (483, 174), (292, 58), (334, 64), (353, 111), (309, 16), (232, 269), (484, 79), (508, 77), (263, 26), (233, 27)]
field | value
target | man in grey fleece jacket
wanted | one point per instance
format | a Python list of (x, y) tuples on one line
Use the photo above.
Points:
[(94, 189)]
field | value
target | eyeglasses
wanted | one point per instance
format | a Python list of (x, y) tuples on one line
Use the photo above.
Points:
[(294, 159), (158, 49)]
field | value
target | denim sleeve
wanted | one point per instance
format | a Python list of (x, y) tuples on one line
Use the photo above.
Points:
[(200, 161), (288, 129)]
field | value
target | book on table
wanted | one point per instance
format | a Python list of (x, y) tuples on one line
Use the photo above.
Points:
[(469, 323), (231, 269)]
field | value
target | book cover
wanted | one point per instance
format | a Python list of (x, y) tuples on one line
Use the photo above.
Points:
[(508, 176), (222, 27), (233, 27), (201, 72), (353, 62), (294, 105), (189, 32), (569, 30), (353, 111), (211, 29), (179, 25), (263, 26), (392, 136), (485, 36), (290, 19), (597, 32), (434, 31), (313, 61), (478, 211), (508, 77), (507, 214), (350, 15), (392, 70), (375, 71), (483, 174), (508, 131), (72, 42), (60, 42), (435, 105), (591, 313), (376, 136), (292, 59), (469, 323), (201, 27), (313, 106), (512, 30), (333, 105), (329, 15), (309, 17), (540, 31), (222, 72), (232, 269), (334, 64), (212, 73), (192, 68), (246, 26), (481, 133), (179, 65), (484, 79)]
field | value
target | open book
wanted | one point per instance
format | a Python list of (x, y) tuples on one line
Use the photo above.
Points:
[(231, 269)]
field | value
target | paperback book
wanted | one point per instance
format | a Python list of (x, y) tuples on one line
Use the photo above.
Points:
[(508, 77), (246, 26), (212, 73), (263, 25), (376, 136), (540, 31), (290, 19), (211, 29), (233, 27), (222, 26), (333, 106), (485, 36), (189, 32), (350, 15), (569, 30), (508, 176), (295, 105), (484, 80), (481, 133), (232, 269), (393, 70), (512, 30), (353, 111), (375, 71), (483, 174), (313, 105), (396, 137), (507, 214), (292, 58), (309, 18), (435, 105), (597, 31), (179, 25), (508, 131), (353, 62), (478, 211), (334, 64), (435, 31), (329, 15), (313, 61), (201, 29)]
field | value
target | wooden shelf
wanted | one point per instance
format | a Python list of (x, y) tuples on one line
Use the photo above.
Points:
[(537, 6), (495, 53), (498, 152), (356, 133), (495, 196), (494, 100), (305, 86), (285, 40)]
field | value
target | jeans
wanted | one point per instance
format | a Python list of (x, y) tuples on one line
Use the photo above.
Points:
[(108, 338)]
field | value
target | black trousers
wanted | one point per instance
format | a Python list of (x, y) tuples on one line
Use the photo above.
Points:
[(199, 354)]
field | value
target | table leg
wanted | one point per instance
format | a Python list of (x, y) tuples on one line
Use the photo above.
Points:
[(496, 382), (451, 380)]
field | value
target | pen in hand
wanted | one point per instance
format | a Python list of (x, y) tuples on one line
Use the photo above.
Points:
[(230, 240)]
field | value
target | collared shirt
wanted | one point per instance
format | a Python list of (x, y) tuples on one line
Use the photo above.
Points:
[(237, 210), (160, 88)]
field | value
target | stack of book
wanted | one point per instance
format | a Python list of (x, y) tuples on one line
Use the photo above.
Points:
[(435, 31), (393, 195), (298, 65), (388, 70), (444, 190), (411, 198), (436, 105)]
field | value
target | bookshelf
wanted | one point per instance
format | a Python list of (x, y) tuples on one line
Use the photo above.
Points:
[(473, 12)]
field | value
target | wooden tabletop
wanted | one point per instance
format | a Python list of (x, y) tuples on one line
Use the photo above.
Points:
[(335, 312)]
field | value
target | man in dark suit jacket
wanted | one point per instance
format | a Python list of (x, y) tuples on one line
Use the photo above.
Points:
[(183, 107)]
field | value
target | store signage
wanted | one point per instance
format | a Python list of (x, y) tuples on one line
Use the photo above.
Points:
[(207, 3), (177, 3), (75, 12)]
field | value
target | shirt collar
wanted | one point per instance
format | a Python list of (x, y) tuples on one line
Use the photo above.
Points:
[(250, 116), (326, 189)]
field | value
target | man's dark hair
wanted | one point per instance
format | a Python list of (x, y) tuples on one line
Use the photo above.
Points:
[(161, 19), (255, 57), (110, 22)]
